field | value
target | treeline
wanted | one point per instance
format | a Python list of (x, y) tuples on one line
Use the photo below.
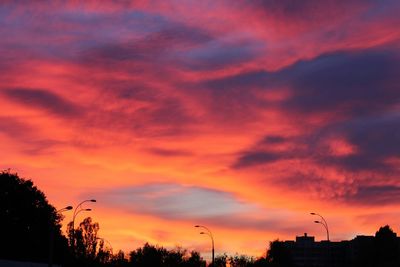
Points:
[(90, 250), (30, 230)]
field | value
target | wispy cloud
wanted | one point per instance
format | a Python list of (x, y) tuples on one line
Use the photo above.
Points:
[(43, 100), (175, 201)]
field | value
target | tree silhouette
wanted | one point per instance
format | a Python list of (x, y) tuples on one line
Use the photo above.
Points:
[(155, 256), (175, 257), (119, 259), (195, 260), (241, 261), (148, 256), (105, 255), (87, 247), (220, 261), (386, 248), (27, 220)]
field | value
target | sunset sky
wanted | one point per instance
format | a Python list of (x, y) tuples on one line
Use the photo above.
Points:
[(244, 116)]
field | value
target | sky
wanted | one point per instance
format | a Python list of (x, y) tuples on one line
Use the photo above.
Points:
[(243, 116)]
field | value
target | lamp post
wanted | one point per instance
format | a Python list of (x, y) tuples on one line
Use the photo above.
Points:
[(208, 232), (323, 222), (64, 209), (325, 225), (77, 210), (51, 246)]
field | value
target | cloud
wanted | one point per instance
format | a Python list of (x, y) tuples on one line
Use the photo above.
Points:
[(167, 116), (353, 145), (274, 139), (157, 47), (278, 223), (252, 158), (242, 80), (13, 127), (44, 100), (340, 85), (355, 89), (230, 100), (142, 109), (262, 153), (353, 83), (358, 176), (350, 82), (317, 185), (155, 120), (221, 52), (300, 10), (169, 111), (169, 152), (312, 20), (173, 201), (375, 139), (26, 137), (375, 195), (376, 136)]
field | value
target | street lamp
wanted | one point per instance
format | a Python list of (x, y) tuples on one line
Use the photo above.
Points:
[(208, 232), (51, 246), (65, 209), (77, 210), (322, 222)]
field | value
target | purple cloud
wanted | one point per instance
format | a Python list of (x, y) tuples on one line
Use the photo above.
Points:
[(44, 100)]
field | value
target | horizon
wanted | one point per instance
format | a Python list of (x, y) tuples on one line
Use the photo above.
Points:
[(243, 117)]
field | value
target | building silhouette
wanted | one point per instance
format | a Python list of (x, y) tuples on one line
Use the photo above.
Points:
[(360, 251)]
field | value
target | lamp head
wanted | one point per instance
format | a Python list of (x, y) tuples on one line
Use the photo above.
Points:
[(87, 209), (68, 208), (202, 233), (197, 226), (312, 213), (93, 200), (317, 221)]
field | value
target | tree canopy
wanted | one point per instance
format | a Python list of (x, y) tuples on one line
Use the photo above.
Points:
[(149, 256), (26, 220)]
